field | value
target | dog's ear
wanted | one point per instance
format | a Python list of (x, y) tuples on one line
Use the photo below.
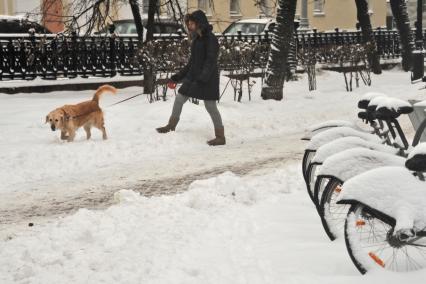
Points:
[(47, 119)]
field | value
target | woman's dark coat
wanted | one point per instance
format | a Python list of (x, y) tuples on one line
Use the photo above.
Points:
[(200, 77)]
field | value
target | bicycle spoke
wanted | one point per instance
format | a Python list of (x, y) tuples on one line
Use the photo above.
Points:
[(375, 239)]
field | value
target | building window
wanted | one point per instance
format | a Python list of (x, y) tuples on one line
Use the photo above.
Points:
[(205, 5), (319, 7), (234, 7)]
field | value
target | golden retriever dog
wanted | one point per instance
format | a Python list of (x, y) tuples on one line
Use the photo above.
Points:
[(69, 118)]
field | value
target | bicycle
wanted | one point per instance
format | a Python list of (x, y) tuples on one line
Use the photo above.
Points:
[(389, 232), (352, 163), (386, 135)]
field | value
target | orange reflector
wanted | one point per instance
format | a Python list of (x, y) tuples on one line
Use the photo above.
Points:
[(338, 189), (360, 223), (376, 259)]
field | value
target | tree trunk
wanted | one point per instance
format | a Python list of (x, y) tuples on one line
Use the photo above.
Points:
[(134, 5), (148, 74), (150, 24), (367, 34), (419, 25), (399, 11), (280, 48)]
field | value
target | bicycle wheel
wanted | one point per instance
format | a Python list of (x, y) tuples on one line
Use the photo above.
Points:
[(311, 179), (333, 215), (307, 157), (320, 185), (371, 242)]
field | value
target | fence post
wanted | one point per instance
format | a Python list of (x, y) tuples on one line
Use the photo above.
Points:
[(74, 58), (315, 38), (54, 50), (337, 40), (112, 51)]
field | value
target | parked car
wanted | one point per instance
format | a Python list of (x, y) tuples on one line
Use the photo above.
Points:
[(161, 27), (253, 26), (19, 25)]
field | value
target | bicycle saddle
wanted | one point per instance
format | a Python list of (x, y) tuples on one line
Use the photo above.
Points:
[(365, 99), (417, 159), (390, 108)]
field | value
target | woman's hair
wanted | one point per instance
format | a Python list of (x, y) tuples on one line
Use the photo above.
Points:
[(186, 20), (199, 17)]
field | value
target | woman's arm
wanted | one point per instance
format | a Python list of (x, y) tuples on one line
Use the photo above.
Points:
[(182, 73)]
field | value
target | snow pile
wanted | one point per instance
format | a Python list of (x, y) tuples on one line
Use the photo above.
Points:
[(320, 127), (352, 162), (393, 191), (330, 123), (346, 143), (209, 234), (389, 103), (366, 99), (420, 149), (339, 132), (371, 95), (420, 104)]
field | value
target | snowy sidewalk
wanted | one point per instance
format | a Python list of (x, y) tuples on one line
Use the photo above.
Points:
[(20, 208)]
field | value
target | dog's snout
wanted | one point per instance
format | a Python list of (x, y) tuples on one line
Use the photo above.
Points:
[(53, 127)]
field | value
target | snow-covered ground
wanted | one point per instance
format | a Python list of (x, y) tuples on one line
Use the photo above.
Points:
[(260, 228), (257, 229), (32, 156)]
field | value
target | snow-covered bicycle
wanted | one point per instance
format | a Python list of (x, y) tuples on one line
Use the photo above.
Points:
[(386, 223), (340, 167), (390, 134), (331, 124)]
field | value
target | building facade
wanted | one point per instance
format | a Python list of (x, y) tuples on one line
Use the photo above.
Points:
[(221, 13), (328, 15), (321, 15), (7, 7)]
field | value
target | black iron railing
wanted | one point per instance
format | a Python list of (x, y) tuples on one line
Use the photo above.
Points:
[(27, 56)]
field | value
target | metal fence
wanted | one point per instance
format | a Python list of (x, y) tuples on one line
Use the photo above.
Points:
[(27, 56)]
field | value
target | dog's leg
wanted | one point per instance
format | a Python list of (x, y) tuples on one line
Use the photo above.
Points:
[(64, 135), (71, 135), (104, 135), (101, 126), (88, 133)]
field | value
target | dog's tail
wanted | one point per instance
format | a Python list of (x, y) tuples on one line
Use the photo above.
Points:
[(101, 89)]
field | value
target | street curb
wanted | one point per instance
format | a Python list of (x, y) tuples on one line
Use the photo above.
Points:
[(70, 87)]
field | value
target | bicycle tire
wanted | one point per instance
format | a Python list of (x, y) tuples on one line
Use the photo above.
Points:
[(310, 182), (332, 215), (307, 157), (371, 243), (320, 185)]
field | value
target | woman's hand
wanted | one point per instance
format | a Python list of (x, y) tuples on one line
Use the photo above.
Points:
[(171, 85)]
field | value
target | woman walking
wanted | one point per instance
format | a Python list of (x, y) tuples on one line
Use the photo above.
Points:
[(200, 77)]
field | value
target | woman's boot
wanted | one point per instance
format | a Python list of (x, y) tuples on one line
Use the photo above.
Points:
[(171, 126), (220, 137)]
